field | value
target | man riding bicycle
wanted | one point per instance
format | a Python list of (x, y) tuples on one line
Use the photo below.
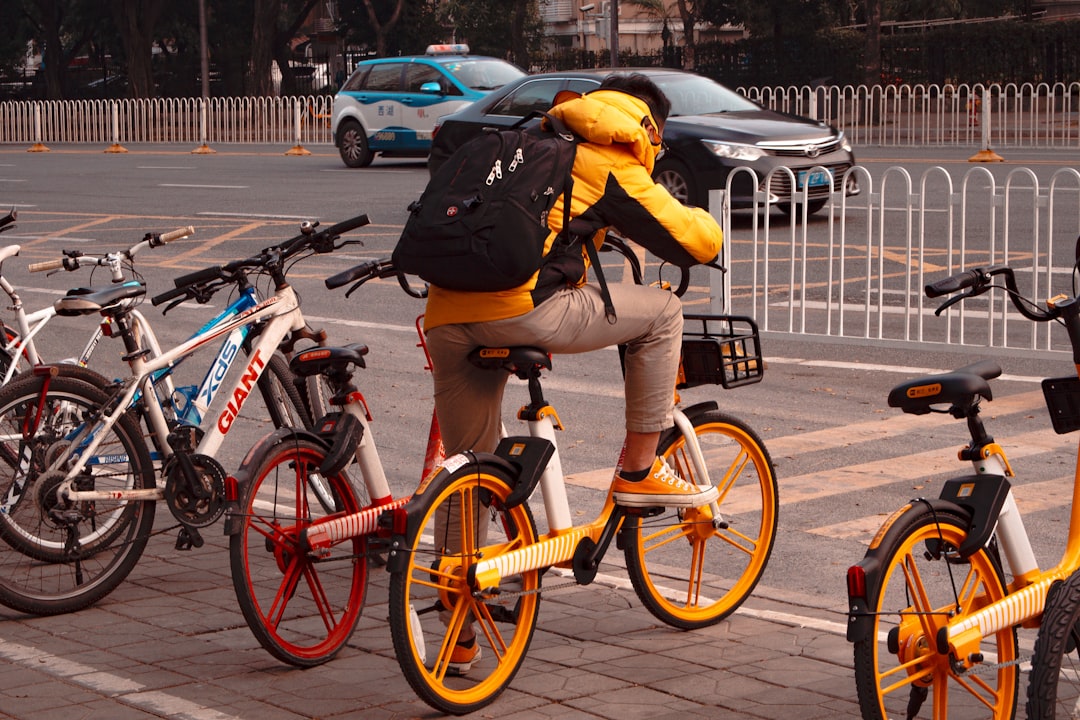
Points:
[(556, 309)]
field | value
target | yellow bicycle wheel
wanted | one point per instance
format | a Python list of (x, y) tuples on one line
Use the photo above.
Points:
[(434, 607), (922, 585), (691, 569)]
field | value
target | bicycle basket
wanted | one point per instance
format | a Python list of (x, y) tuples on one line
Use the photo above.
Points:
[(1063, 401), (720, 350)]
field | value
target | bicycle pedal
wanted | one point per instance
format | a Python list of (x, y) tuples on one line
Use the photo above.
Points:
[(188, 538)]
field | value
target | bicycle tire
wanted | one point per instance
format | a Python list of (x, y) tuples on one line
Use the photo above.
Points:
[(49, 565), (431, 600), (282, 397), (686, 572), (1054, 683), (923, 582), (316, 392), (302, 608)]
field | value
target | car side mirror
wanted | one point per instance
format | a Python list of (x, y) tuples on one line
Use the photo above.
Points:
[(431, 88)]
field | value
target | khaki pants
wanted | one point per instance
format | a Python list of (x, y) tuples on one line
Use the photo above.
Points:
[(468, 400)]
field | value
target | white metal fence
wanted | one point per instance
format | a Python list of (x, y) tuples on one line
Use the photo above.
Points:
[(293, 120), (1018, 115), (859, 271)]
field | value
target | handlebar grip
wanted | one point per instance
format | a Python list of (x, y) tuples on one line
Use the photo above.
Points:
[(960, 281), (177, 234), (199, 276), (347, 276), (346, 225), (46, 265), (168, 295)]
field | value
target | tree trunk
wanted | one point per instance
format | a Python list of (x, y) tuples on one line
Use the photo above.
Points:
[(518, 47), (382, 29), (263, 38), (136, 20), (873, 42), (688, 22), (52, 55)]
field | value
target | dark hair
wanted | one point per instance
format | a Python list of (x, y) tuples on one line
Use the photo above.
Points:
[(641, 87)]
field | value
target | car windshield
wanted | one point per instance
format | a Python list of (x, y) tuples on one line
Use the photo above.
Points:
[(483, 74), (695, 95)]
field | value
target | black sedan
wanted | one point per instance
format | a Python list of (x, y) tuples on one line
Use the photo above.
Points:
[(711, 131)]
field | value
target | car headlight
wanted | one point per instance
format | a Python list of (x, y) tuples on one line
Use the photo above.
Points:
[(845, 144), (734, 151)]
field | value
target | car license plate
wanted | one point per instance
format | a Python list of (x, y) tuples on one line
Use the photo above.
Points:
[(816, 178)]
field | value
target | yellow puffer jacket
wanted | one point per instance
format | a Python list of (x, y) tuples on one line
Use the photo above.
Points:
[(613, 187)]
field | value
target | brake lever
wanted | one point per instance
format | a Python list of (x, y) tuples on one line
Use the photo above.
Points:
[(953, 300), (354, 288)]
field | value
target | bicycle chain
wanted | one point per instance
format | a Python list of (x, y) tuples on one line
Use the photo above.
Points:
[(504, 595), (987, 668)]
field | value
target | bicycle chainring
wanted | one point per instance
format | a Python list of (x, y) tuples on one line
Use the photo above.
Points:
[(201, 506)]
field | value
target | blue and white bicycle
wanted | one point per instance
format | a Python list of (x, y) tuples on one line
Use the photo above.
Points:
[(78, 482)]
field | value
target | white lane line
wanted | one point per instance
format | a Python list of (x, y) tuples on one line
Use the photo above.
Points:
[(204, 187), (871, 367), (256, 216), (109, 684), (623, 583)]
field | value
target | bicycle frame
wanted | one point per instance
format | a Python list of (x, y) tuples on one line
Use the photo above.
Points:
[(196, 405), (556, 546), (1027, 592), (281, 314), (29, 325)]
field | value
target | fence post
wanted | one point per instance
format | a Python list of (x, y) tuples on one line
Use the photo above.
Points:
[(297, 149), (719, 287), (203, 149), (37, 146), (986, 154), (116, 147)]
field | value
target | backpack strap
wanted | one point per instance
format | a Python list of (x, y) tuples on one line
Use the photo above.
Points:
[(594, 260), (559, 128), (557, 125)]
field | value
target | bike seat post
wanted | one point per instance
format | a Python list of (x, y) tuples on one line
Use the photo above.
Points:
[(543, 421)]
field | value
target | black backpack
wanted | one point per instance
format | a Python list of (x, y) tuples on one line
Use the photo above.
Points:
[(481, 222)]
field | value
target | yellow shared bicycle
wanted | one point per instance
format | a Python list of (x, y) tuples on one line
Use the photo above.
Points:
[(935, 604)]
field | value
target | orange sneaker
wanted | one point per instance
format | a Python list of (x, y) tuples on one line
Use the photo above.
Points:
[(662, 487), (462, 658)]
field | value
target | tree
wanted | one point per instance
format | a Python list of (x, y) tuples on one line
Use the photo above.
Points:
[(136, 21), (488, 29), (691, 12), (63, 32), (275, 25)]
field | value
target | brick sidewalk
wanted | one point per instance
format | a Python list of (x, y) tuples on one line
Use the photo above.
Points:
[(171, 642)]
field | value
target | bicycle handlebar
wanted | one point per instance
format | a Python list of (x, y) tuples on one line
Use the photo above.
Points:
[(202, 284), (75, 259), (384, 268), (977, 281), (370, 270)]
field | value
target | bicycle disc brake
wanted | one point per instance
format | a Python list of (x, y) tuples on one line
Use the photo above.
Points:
[(195, 489)]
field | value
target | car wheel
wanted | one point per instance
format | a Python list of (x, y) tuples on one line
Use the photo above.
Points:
[(812, 207), (353, 145), (673, 175)]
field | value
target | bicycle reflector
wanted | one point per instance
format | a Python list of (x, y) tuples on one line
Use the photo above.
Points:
[(856, 582)]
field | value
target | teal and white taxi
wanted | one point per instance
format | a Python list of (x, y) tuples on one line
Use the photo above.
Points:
[(390, 105)]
